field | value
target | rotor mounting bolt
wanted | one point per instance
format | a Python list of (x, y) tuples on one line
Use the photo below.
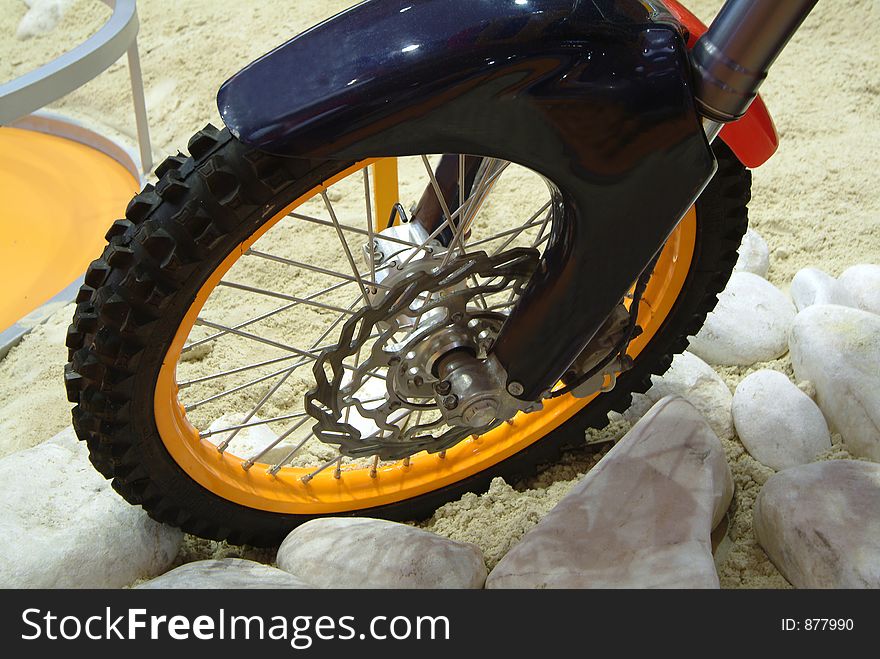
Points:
[(443, 387), (450, 402), (515, 388), (456, 317)]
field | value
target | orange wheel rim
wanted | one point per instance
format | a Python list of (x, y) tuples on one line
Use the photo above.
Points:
[(286, 491)]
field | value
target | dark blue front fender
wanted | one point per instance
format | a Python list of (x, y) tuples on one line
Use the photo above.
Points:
[(595, 95)]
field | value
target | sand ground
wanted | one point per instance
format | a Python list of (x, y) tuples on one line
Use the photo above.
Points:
[(815, 202)]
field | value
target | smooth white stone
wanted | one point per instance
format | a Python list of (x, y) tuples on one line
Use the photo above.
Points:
[(250, 441), (812, 286), (819, 524), (779, 425), (224, 573), (750, 323), (695, 381), (838, 350), (356, 552), (859, 287), (754, 255), (63, 526), (372, 389), (641, 518), (41, 18)]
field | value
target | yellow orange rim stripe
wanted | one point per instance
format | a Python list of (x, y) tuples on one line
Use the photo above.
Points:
[(286, 492)]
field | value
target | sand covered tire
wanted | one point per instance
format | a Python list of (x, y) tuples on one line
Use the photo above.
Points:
[(175, 235)]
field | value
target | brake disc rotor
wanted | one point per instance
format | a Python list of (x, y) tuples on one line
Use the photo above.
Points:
[(392, 403)]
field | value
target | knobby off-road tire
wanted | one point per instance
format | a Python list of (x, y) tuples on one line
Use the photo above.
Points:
[(177, 232)]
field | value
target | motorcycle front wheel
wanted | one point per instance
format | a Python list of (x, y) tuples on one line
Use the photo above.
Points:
[(196, 332)]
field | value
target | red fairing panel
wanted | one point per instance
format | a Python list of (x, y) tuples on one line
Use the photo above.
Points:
[(753, 137)]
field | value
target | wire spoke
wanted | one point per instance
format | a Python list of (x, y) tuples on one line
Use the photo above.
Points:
[(480, 296), (436, 232), (313, 268), (528, 224), (247, 464), (502, 305), (540, 239), (447, 222), (283, 296), (258, 339), (345, 247), (496, 167), (240, 369), (309, 477), (461, 168), (290, 370), (503, 234), (544, 223), (258, 407), (283, 346), (268, 314), (362, 232), (242, 387), (440, 198), (250, 367), (369, 214), (274, 469), (252, 424)]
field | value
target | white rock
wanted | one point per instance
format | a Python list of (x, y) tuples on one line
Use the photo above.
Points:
[(63, 526), (750, 323), (641, 518), (225, 573), (342, 552), (695, 381), (838, 349), (813, 286), (819, 524), (249, 441), (779, 425), (754, 255), (859, 287), (372, 389), (42, 17)]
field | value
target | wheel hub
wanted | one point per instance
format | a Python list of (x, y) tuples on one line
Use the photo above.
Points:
[(431, 354), (449, 363)]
